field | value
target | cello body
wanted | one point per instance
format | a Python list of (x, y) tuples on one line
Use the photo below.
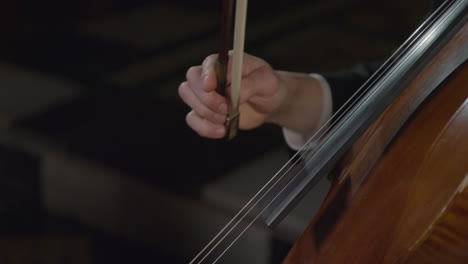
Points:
[(411, 206)]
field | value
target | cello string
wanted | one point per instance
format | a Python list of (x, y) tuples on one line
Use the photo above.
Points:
[(242, 231), (291, 165), (271, 201), (375, 77), (369, 83), (249, 206), (380, 72), (342, 112)]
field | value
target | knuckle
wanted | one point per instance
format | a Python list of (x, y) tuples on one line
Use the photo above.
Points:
[(182, 89), (213, 105), (203, 131), (197, 125), (212, 57), (204, 112), (208, 99), (215, 117), (208, 61), (188, 118), (191, 72)]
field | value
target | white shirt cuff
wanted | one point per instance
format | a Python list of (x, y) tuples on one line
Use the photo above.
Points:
[(296, 140)]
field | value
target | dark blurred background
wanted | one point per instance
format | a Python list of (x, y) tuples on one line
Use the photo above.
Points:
[(96, 162)]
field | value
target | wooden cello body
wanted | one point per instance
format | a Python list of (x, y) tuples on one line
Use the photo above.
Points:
[(411, 206)]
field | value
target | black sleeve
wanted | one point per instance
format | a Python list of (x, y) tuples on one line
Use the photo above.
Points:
[(344, 83)]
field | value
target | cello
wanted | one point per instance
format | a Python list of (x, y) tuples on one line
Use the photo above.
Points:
[(403, 198), (397, 153)]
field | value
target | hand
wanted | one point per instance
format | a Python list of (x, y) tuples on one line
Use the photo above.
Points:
[(262, 95)]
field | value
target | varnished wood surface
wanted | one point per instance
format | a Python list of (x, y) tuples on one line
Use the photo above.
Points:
[(370, 146), (391, 214), (446, 239)]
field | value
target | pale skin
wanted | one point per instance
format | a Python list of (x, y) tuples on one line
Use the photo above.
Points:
[(287, 99)]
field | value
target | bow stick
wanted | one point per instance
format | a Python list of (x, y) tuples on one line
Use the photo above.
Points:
[(232, 121)]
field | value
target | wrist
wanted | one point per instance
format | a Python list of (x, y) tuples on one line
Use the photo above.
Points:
[(288, 88), (307, 103)]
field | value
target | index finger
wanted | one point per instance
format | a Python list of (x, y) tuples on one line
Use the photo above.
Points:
[(209, 74)]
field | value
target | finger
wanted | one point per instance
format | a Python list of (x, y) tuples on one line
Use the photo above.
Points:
[(203, 127), (187, 95), (250, 72), (259, 87), (250, 63), (247, 90), (209, 74), (209, 81), (214, 101)]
